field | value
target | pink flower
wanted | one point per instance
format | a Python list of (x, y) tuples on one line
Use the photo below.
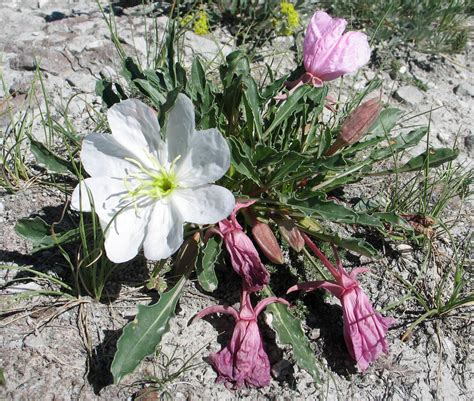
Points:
[(328, 53), (243, 254), (364, 328), (243, 360)]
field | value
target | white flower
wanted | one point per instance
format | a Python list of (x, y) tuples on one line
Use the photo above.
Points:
[(144, 188)]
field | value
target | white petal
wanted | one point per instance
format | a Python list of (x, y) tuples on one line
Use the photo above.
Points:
[(207, 159), (207, 204), (180, 127), (164, 234), (125, 234), (102, 155), (135, 126), (106, 193)]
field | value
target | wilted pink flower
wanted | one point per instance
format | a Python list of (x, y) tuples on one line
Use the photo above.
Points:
[(243, 255), (243, 360), (364, 328), (328, 53)]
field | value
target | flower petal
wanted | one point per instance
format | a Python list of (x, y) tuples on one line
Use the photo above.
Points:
[(164, 234), (351, 52), (135, 126), (180, 127), (123, 224), (102, 155), (125, 234), (106, 194), (207, 204), (321, 36), (207, 159)]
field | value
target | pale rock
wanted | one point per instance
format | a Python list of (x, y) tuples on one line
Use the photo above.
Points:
[(84, 26), (409, 95), (79, 43), (82, 82), (204, 46), (2, 207), (96, 44), (464, 89)]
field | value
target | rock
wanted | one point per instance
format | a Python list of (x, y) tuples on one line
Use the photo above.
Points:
[(82, 82), (409, 95), (469, 142), (205, 47), (281, 369), (2, 207), (21, 85), (464, 89)]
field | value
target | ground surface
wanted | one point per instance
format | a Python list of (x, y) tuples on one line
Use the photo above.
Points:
[(63, 351)]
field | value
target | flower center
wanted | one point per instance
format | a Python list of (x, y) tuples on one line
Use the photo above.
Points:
[(155, 183)]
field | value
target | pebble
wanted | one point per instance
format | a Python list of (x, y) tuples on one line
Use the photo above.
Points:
[(281, 369), (464, 89), (409, 95)]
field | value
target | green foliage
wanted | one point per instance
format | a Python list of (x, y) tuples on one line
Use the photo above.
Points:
[(141, 336), (289, 332), (430, 25), (205, 266)]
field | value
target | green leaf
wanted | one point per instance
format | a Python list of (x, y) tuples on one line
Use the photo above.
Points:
[(48, 159), (352, 244), (401, 142), (252, 106), (387, 119), (288, 163), (150, 91), (288, 107), (141, 336), (289, 332), (104, 89), (432, 157), (241, 159), (39, 233), (331, 211), (205, 266)]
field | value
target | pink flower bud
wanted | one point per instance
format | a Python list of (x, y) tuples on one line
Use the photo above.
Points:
[(356, 125), (290, 232), (267, 242), (364, 328), (243, 360)]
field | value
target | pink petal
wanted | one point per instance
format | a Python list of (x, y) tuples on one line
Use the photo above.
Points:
[(322, 35), (267, 301), (351, 52), (227, 310), (364, 328)]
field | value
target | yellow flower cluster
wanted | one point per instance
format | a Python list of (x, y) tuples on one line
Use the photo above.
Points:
[(292, 18), (201, 26)]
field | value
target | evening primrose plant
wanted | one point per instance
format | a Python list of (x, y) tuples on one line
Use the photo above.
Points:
[(276, 150)]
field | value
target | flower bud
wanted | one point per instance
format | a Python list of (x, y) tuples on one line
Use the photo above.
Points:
[(356, 125), (267, 242), (290, 232)]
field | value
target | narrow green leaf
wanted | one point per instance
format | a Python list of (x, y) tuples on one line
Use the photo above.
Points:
[(48, 159), (150, 91), (401, 142), (290, 332), (432, 157), (141, 336), (205, 267), (252, 106), (241, 159), (387, 119), (352, 244), (288, 107), (333, 212)]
